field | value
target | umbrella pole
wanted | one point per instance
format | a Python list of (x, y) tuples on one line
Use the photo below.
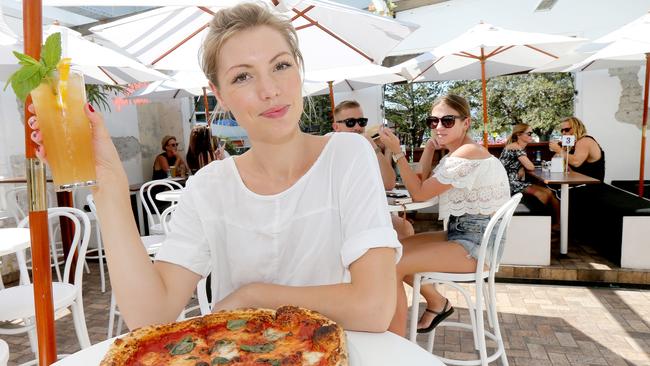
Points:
[(330, 84), (484, 92), (644, 124), (36, 183)]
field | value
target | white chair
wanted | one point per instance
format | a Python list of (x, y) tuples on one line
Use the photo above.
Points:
[(484, 292), (17, 199), (18, 302), (165, 217), (149, 201), (4, 353), (98, 235)]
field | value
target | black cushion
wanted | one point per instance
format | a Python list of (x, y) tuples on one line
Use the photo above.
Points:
[(596, 217)]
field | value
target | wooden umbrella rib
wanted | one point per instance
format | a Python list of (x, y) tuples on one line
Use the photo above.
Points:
[(301, 13), (498, 51), (333, 35), (180, 43), (107, 74), (587, 65), (428, 67), (541, 51), (467, 54), (206, 9)]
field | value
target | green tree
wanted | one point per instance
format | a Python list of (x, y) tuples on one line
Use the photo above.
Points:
[(316, 118), (406, 105), (98, 95), (540, 100)]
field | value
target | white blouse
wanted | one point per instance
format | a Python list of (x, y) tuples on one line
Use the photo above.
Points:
[(308, 234), (479, 186)]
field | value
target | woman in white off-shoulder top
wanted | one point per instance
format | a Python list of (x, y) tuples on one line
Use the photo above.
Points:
[(471, 185)]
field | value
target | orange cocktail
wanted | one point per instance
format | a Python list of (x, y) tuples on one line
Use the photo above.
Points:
[(66, 131)]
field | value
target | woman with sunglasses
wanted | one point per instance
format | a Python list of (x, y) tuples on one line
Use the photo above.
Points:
[(514, 159), (471, 185), (586, 157), (167, 159)]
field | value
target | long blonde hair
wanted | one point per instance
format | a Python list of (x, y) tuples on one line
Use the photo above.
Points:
[(517, 130), (579, 129), (230, 21)]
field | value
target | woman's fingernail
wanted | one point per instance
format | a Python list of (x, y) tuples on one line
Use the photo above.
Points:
[(90, 106), (34, 135), (31, 121)]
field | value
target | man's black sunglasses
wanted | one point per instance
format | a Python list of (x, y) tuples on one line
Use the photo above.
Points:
[(350, 122), (447, 121)]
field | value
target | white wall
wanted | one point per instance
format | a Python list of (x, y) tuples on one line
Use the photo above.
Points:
[(596, 104)]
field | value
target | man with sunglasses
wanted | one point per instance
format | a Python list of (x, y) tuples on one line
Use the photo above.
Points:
[(348, 117)]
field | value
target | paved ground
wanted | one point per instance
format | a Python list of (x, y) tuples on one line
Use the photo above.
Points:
[(542, 325)]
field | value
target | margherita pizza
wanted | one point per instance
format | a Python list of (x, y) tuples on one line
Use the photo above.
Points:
[(250, 337)]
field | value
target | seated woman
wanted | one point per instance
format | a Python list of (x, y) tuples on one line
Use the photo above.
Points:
[(586, 157), (201, 150), (296, 220), (471, 185), (169, 159), (514, 159)]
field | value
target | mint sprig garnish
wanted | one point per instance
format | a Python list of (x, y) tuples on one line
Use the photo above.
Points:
[(32, 72)]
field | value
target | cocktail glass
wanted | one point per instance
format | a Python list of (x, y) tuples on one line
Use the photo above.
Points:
[(67, 136)]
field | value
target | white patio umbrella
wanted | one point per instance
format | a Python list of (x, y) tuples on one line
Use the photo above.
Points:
[(485, 51), (180, 85), (99, 64), (7, 37), (628, 46), (348, 79), (330, 34)]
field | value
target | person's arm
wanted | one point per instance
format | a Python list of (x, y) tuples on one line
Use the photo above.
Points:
[(146, 293), (419, 190), (426, 160), (581, 152), (525, 162), (388, 175), (367, 303)]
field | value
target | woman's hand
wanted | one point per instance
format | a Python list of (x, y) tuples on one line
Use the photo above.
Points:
[(389, 140), (555, 146), (108, 165), (433, 144), (235, 300)]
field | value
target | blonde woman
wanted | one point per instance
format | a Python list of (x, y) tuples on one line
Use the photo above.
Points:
[(297, 219), (471, 185), (586, 157), (514, 159)]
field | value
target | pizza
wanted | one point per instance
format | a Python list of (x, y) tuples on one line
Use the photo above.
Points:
[(287, 336)]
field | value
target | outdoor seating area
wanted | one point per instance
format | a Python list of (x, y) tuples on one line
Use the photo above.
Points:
[(324, 182)]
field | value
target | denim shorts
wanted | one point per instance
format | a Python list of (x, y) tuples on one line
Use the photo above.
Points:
[(467, 230)]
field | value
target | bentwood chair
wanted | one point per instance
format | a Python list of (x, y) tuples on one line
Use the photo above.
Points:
[(151, 205), (17, 310), (483, 280)]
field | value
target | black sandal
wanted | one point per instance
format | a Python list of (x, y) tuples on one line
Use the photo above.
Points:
[(440, 316)]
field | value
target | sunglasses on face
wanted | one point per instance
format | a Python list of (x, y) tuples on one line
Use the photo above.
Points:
[(447, 121), (565, 130), (530, 133), (350, 122), (172, 144)]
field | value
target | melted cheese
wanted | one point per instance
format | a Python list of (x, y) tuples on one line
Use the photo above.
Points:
[(311, 358), (228, 350)]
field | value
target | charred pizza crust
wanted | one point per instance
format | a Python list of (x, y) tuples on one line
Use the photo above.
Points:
[(327, 337)]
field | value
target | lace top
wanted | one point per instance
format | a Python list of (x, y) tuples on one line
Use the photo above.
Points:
[(479, 186)]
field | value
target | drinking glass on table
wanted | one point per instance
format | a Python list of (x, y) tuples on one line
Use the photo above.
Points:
[(59, 102)]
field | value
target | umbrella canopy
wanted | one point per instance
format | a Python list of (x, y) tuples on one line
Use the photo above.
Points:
[(485, 51), (627, 46), (99, 64), (181, 85), (6, 35), (348, 79), (170, 38), (229, 129)]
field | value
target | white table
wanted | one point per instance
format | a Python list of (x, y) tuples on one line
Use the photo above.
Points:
[(410, 206), (564, 179), (15, 240), (364, 349)]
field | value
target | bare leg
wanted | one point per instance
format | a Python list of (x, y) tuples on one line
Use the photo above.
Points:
[(427, 253), (402, 226), (546, 196)]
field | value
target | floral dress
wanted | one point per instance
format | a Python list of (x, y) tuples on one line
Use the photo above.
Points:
[(510, 161)]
